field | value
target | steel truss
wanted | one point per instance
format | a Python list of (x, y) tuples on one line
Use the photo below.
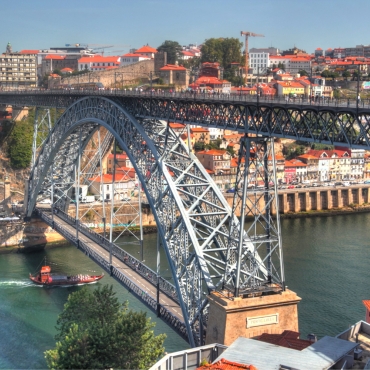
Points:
[(190, 210), (334, 125), (258, 270)]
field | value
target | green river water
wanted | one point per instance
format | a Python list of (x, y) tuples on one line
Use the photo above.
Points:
[(326, 263)]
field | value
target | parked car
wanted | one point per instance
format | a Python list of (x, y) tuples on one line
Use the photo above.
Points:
[(299, 186), (367, 182), (231, 190), (346, 183), (291, 187)]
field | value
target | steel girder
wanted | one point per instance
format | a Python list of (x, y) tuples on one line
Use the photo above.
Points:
[(191, 212), (334, 125)]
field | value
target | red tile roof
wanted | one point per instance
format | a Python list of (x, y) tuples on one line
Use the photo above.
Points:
[(213, 152), (55, 57), (66, 69), (99, 59), (176, 125), (198, 129), (288, 339), (172, 67), (118, 156), (366, 302), (106, 179), (29, 51), (226, 365), (146, 49)]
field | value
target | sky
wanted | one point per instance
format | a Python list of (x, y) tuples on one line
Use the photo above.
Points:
[(125, 24)]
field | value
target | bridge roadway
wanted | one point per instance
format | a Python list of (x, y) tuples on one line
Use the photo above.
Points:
[(129, 271)]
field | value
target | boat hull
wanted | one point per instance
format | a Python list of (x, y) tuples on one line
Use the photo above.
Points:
[(68, 281)]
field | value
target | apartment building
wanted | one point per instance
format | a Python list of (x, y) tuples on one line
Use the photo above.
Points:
[(215, 160), (18, 70)]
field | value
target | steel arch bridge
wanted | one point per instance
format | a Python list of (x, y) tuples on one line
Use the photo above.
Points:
[(199, 231), (193, 217)]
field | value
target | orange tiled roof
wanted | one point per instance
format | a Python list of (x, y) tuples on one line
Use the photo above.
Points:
[(29, 51), (226, 365), (366, 302), (118, 156), (54, 75), (66, 69), (198, 129), (55, 57), (289, 84), (172, 67), (288, 339), (146, 49), (213, 152), (98, 59), (176, 125), (106, 179), (307, 156)]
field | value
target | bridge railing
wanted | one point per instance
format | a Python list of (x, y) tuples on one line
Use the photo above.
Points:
[(195, 95), (166, 315), (135, 264)]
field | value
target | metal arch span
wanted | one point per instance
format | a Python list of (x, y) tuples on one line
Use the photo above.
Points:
[(191, 212)]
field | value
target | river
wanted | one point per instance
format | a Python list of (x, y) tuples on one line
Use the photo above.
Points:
[(326, 263)]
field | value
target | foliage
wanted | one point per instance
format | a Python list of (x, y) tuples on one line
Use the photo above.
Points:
[(302, 72), (293, 152), (232, 74), (198, 146), (346, 74), (318, 146), (281, 66), (336, 94), (96, 332), (173, 50), (20, 144), (222, 50), (329, 74)]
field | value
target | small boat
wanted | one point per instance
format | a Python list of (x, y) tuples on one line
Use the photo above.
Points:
[(45, 277)]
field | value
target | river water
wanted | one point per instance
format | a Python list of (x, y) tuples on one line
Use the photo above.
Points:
[(326, 264)]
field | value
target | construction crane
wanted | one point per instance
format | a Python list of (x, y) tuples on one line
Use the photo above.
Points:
[(247, 34)]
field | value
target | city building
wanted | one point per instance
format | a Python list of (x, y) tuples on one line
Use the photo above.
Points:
[(259, 62), (98, 63), (122, 184), (312, 164), (122, 160), (212, 84), (215, 160), (173, 74), (286, 88), (201, 134), (131, 58), (18, 70), (147, 51)]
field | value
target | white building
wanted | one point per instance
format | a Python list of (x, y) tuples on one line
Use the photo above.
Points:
[(122, 186), (98, 63), (259, 60), (357, 163), (131, 58)]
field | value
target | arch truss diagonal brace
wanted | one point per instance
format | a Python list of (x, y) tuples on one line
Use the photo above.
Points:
[(255, 254)]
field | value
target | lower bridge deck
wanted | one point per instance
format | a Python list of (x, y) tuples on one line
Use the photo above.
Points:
[(126, 269)]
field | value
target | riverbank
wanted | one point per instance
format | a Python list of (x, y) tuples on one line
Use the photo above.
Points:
[(151, 229)]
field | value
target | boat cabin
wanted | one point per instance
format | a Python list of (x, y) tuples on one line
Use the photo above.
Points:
[(44, 273)]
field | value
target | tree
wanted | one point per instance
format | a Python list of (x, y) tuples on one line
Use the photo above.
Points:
[(302, 72), (281, 66), (173, 50), (20, 144), (346, 74), (96, 332), (222, 50)]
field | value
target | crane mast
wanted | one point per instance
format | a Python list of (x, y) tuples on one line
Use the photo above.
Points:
[(247, 34)]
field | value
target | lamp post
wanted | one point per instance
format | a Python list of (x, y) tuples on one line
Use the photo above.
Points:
[(358, 88)]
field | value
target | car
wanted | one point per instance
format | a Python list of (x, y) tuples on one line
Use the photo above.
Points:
[(346, 183), (299, 186), (231, 190), (367, 182), (307, 186), (283, 187), (291, 187), (126, 199)]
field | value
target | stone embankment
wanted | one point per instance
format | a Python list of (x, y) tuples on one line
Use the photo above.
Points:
[(310, 202)]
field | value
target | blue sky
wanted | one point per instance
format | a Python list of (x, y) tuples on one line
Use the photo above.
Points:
[(307, 24)]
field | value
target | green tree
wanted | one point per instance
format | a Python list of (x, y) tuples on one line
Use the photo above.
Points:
[(198, 146), (346, 74), (173, 50), (281, 66), (96, 332), (20, 144), (302, 72), (222, 50)]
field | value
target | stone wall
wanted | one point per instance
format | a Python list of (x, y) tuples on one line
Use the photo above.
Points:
[(116, 77)]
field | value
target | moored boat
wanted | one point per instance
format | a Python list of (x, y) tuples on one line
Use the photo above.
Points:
[(45, 277)]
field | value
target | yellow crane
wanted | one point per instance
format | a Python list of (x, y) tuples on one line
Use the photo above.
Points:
[(247, 35)]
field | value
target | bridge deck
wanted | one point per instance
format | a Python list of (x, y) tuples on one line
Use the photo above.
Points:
[(126, 273)]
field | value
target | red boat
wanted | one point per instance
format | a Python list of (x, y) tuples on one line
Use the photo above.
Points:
[(45, 277)]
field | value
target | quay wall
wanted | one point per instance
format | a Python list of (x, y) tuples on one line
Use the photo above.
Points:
[(295, 202)]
